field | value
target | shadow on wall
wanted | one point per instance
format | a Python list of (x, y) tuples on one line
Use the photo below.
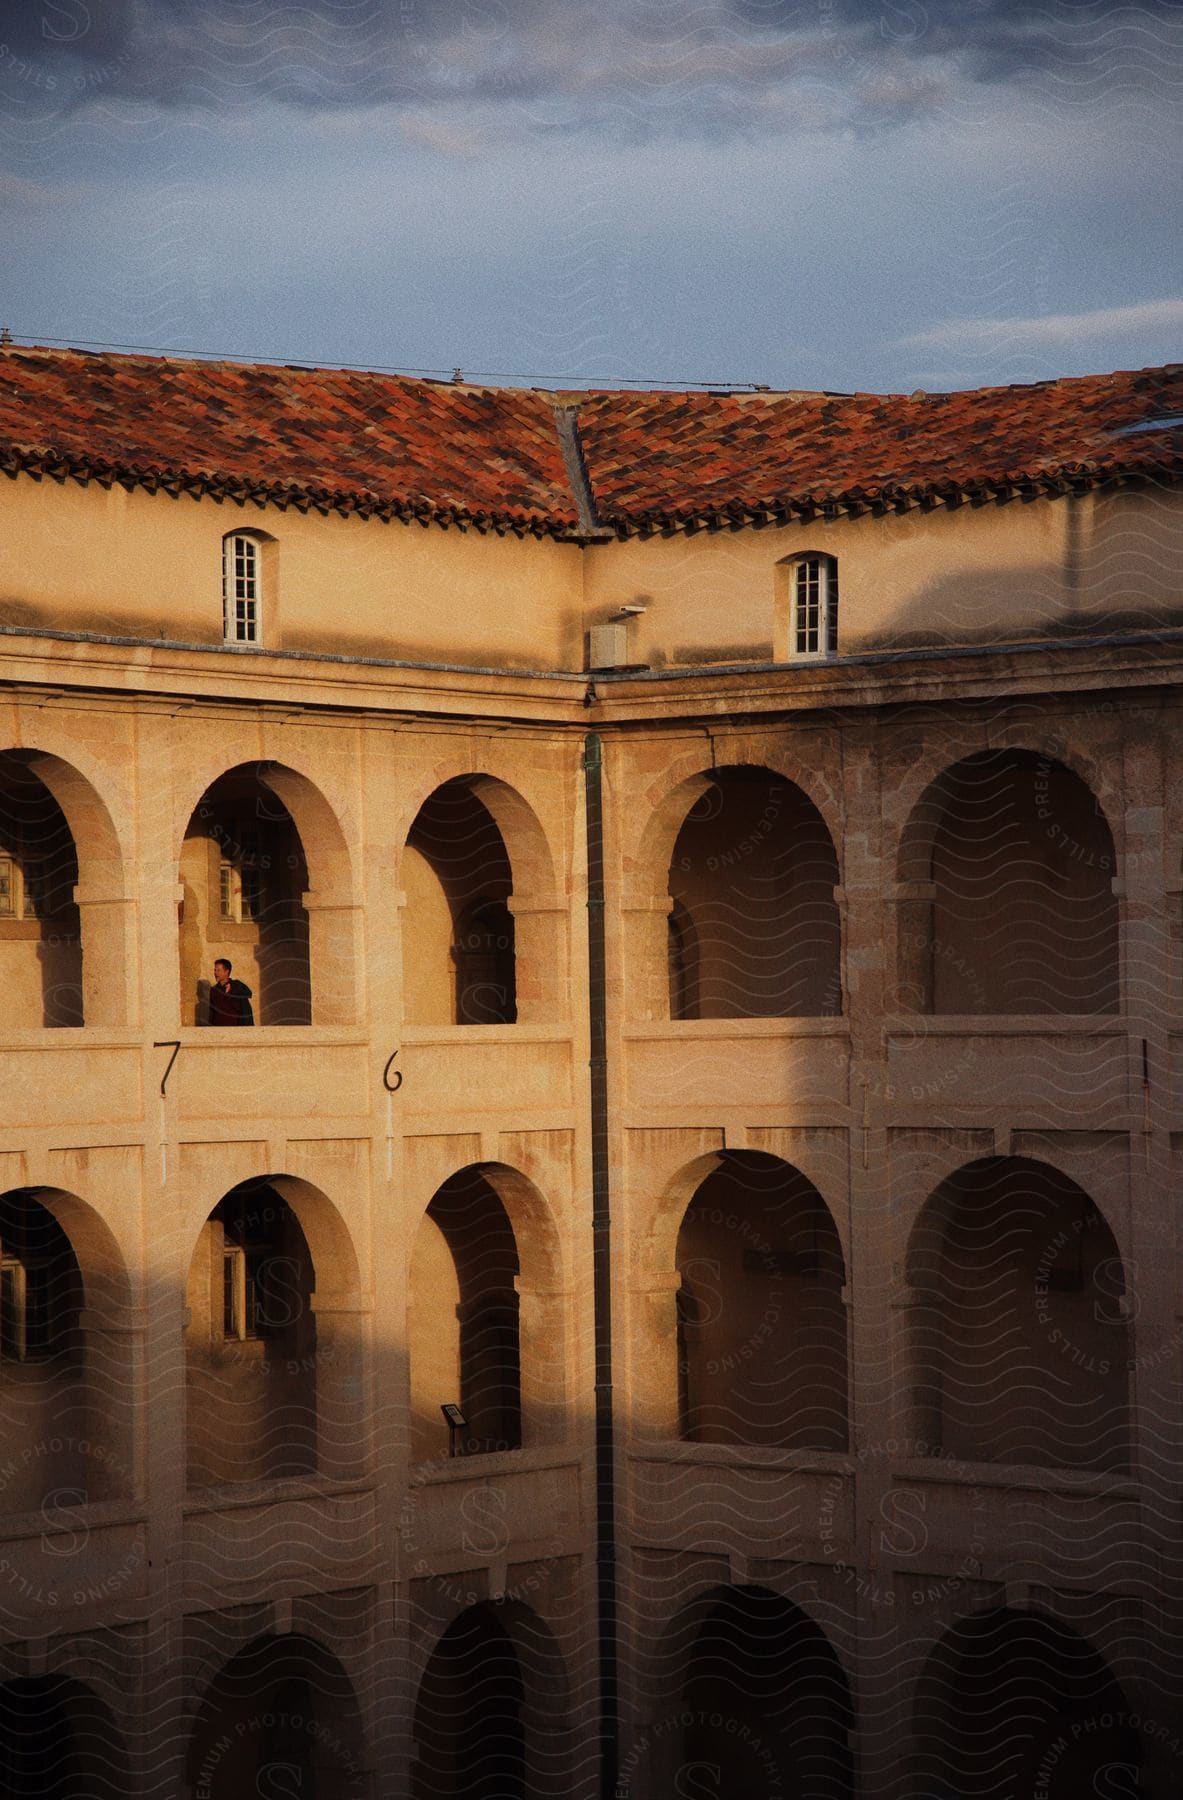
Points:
[(1112, 567), (745, 1681)]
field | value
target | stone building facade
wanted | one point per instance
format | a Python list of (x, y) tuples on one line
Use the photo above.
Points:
[(708, 868)]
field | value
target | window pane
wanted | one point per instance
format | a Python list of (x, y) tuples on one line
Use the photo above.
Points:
[(12, 1333), (231, 1311)]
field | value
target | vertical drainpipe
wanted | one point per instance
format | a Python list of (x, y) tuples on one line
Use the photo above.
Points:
[(602, 1274)]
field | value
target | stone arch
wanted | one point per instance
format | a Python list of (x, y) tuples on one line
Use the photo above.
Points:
[(747, 1693), (487, 1314), (58, 1739), (280, 1716), (493, 1709), (65, 934), (1005, 896), (759, 1336), (274, 1339), (267, 880), (68, 1377), (482, 926), (1016, 1329), (1016, 1702), (671, 794), (749, 882)]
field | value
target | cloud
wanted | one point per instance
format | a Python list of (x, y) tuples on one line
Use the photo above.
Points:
[(635, 67), (1052, 329)]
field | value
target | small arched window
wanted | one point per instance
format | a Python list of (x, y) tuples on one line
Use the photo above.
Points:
[(813, 606), (242, 588)]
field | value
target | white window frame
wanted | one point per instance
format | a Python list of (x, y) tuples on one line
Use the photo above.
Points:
[(240, 881), (242, 588), (243, 1268), (813, 607)]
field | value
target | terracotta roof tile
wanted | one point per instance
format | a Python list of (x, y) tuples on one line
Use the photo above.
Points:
[(666, 459), (494, 456), (361, 442)]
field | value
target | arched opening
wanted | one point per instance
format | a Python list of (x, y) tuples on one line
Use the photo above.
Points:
[(1014, 1704), (754, 924), (272, 1339), (762, 1341), (491, 1715), (764, 1707), (59, 1741), (1019, 1341), (469, 1730), (1007, 905), (484, 958), (40, 926), (281, 1718), (459, 953), (244, 875), (49, 817), (463, 1327), (65, 1385)]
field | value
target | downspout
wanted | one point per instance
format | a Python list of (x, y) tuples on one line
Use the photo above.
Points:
[(606, 1600)]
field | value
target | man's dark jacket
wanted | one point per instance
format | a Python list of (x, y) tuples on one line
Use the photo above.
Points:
[(231, 1007)]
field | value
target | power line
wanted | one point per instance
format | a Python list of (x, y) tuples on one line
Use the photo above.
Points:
[(453, 374)]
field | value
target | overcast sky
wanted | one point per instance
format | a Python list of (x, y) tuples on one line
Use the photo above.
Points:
[(808, 193)]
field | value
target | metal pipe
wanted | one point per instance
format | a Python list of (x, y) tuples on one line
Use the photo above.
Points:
[(606, 1596)]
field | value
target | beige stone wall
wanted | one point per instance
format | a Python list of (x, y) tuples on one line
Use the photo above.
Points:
[(147, 565), (972, 575), (130, 563), (885, 1522)]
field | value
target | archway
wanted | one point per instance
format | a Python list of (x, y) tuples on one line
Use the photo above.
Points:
[(59, 1741), (272, 1346), (1014, 1705), (758, 1701), (1006, 903), (281, 1718), (762, 1336), (266, 884), (67, 1385), (63, 912), (491, 1715), (753, 927), (463, 1320), (487, 1318), (459, 936), (1018, 1336)]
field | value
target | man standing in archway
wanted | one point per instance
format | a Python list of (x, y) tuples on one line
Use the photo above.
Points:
[(229, 1000)]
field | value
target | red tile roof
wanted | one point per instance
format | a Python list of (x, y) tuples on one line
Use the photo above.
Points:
[(324, 437), (669, 459), (455, 453)]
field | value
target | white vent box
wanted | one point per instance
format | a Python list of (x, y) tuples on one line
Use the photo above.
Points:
[(607, 646)]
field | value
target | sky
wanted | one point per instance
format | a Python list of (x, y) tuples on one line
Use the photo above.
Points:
[(819, 194)]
